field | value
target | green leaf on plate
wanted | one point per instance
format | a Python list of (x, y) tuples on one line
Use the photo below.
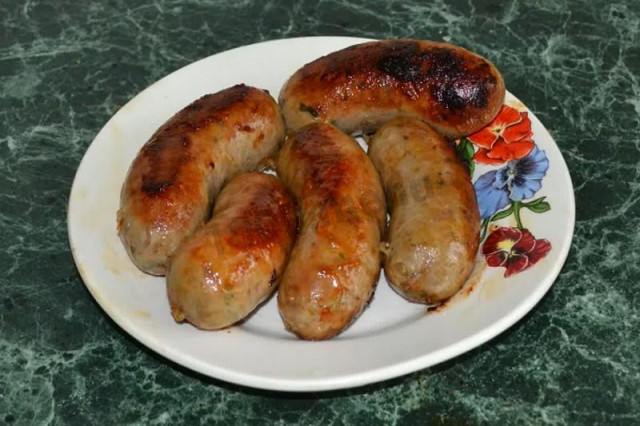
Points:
[(466, 152), (538, 205), (502, 214)]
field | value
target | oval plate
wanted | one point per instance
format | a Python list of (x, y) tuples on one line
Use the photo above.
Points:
[(392, 337)]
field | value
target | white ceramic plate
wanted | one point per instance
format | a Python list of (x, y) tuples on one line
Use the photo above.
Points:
[(391, 338)]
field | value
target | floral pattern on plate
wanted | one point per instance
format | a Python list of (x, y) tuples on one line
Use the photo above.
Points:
[(516, 169)]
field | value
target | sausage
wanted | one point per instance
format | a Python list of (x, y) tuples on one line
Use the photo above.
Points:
[(361, 87), (335, 262), (435, 223), (171, 184), (229, 266)]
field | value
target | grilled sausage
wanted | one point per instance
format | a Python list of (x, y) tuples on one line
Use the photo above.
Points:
[(172, 182), (229, 266), (434, 229), (335, 262), (361, 87)]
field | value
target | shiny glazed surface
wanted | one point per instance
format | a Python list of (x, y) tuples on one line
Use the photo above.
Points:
[(336, 260), (434, 229), (233, 263), (361, 87), (173, 181)]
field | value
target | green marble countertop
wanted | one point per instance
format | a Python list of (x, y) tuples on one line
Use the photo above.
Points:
[(67, 66)]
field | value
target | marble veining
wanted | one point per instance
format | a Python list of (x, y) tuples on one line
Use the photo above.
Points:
[(66, 67)]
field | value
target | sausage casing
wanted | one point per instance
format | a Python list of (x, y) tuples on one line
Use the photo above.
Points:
[(335, 262), (361, 87), (172, 182), (221, 273), (434, 229)]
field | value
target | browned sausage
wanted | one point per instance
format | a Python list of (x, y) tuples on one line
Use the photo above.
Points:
[(174, 179), (435, 223), (361, 87), (229, 266), (335, 262)]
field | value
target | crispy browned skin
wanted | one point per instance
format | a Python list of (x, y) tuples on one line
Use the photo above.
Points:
[(435, 223), (174, 179), (336, 260), (229, 266), (361, 87)]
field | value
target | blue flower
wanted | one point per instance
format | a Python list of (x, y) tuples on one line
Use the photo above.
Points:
[(517, 181), (491, 197)]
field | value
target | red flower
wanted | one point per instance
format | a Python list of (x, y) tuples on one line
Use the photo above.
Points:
[(507, 137), (514, 249)]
